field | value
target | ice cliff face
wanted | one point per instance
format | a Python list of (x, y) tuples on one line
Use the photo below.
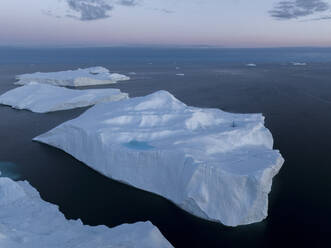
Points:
[(216, 165), (28, 221), (41, 98), (80, 77)]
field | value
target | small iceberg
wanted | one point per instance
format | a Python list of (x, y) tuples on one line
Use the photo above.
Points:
[(299, 64), (81, 77), (180, 74), (28, 221), (251, 65), (42, 98), (216, 165)]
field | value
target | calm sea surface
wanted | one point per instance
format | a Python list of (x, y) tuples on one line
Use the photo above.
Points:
[(296, 101)]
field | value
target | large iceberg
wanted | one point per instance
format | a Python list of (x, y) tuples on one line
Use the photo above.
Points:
[(216, 165), (28, 221), (42, 98), (81, 77)]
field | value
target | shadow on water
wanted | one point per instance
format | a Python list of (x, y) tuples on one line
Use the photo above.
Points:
[(300, 203)]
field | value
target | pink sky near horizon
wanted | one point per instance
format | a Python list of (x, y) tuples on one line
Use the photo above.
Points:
[(232, 24)]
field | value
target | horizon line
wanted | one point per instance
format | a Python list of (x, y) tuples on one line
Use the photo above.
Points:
[(77, 46)]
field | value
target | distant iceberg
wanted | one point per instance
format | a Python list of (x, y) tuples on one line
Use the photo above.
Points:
[(298, 64), (251, 65), (28, 221), (180, 74), (42, 98), (216, 165), (81, 77)]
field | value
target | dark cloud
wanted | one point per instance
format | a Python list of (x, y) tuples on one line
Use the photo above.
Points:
[(292, 9), (165, 11), (324, 18), (319, 18), (95, 9), (127, 2)]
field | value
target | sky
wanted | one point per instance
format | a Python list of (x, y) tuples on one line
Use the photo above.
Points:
[(221, 23)]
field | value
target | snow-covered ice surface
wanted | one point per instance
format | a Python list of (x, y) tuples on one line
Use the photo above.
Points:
[(42, 98), (214, 164), (81, 77), (28, 221)]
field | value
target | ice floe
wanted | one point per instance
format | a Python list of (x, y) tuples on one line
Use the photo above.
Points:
[(28, 221), (42, 98), (81, 77), (216, 165)]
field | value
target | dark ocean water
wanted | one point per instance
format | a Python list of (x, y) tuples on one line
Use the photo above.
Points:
[(296, 101)]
